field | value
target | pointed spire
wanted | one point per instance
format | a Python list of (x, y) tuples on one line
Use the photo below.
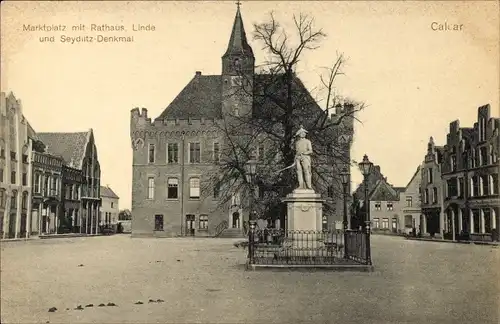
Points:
[(238, 43)]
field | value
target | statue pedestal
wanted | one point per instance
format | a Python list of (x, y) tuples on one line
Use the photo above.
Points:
[(305, 216)]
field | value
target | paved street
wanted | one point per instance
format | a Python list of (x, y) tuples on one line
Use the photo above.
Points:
[(202, 280)]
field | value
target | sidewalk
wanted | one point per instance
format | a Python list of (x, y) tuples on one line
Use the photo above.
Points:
[(451, 241), (50, 236)]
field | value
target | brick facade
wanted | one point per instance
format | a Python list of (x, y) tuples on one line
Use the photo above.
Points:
[(470, 171), (195, 116)]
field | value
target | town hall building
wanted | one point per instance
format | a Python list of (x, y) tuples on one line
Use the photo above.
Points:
[(175, 151)]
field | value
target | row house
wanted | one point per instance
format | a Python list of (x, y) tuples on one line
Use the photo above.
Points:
[(15, 171), (109, 207), (432, 191), (470, 171), (79, 192), (392, 209), (46, 190)]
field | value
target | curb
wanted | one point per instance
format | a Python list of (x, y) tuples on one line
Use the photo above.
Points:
[(310, 267), (456, 242)]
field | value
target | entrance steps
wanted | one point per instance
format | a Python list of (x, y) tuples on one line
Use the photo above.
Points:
[(232, 233)]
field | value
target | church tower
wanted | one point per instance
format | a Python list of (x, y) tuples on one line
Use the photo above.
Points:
[(238, 64)]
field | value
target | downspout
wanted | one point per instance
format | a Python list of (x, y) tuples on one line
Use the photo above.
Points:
[(182, 180)]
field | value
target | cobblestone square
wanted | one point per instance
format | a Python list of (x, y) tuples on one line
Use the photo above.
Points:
[(204, 281)]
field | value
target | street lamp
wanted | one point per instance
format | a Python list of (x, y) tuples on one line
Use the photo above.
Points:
[(250, 172), (344, 178), (366, 167)]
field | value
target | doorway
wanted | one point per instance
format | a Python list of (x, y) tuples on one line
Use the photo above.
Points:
[(236, 220), (190, 225)]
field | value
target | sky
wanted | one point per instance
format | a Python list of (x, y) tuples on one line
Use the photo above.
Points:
[(413, 79)]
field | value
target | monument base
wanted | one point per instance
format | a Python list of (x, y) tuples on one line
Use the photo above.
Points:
[(305, 218)]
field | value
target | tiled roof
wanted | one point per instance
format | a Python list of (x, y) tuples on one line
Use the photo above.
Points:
[(201, 97), (71, 146), (108, 192), (373, 179), (31, 131), (238, 43)]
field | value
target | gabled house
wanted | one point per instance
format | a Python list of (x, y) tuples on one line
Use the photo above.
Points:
[(409, 202), (80, 187)]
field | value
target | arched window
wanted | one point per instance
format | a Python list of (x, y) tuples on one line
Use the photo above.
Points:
[(13, 200), (2, 198), (24, 203)]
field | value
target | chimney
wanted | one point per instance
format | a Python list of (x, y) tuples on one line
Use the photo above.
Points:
[(198, 73)]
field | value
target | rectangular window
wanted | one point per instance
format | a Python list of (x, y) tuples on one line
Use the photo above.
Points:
[(151, 188), (409, 201), (25, 158), (172, 153), (2, 198), (2, 153), (453, 163), (216, 156), (494, 184), (385, 223), (112, 205), (54, 186), (376, 223), (151, 154), (158, 222), (408, 221), (390, 205), (12, 155), (173, 188), (434, 195), (378, 205), (194, 188), (217, 190), (394, 224), (1, 175), (261, 152), (452, 187), (194, 153), (429, 175), (13, 177), (203, 222), (25, 179), (36, 183), (330, 191)]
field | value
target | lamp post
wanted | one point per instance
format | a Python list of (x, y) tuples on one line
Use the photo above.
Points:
[(250, 172), (344, 177), (366, 167)]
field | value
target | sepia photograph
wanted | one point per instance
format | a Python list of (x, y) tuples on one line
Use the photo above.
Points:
[(250, 162)]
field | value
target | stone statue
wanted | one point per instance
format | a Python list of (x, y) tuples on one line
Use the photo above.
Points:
[(303, 151)]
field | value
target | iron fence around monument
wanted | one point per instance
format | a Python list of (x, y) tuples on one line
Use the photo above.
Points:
[(271, 246)]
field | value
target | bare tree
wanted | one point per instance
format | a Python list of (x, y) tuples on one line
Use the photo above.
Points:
[(280, 103)]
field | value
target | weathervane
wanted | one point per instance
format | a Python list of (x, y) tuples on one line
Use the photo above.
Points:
[(238, 3)]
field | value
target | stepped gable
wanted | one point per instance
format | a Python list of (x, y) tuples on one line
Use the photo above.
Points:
[(70, 146)]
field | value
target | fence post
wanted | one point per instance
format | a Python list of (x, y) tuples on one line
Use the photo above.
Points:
[(251, 241), (368, 247)]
